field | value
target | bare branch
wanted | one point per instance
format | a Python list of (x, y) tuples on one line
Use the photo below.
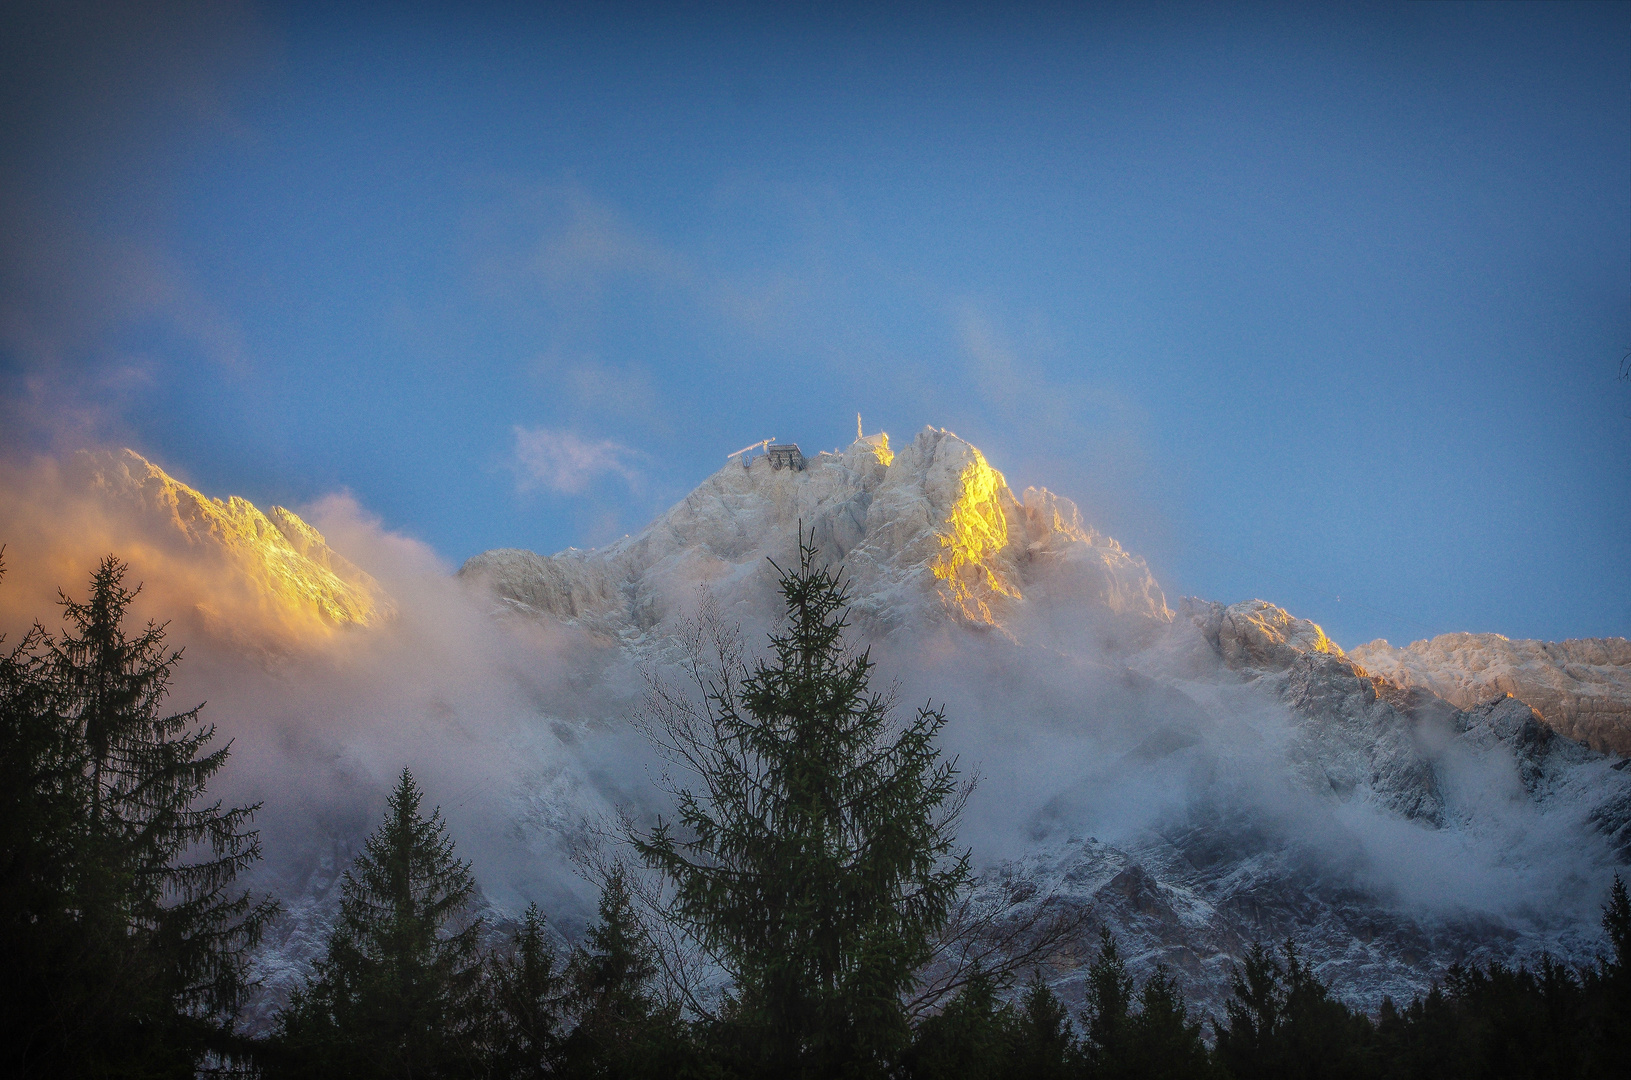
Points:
[(1004, 939)]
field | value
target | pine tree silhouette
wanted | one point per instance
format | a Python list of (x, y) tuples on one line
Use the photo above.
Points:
[(126, 941), (815, 859), (397, 993)]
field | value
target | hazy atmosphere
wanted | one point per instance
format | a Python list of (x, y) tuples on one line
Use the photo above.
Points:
[(474, 393), (1326, 307)]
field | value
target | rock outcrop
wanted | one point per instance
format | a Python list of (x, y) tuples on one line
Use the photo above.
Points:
[(930, 530), (1580, 687)]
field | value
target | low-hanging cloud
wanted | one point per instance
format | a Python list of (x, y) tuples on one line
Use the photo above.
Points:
[(507, 723), (566, 463), (518, 728)]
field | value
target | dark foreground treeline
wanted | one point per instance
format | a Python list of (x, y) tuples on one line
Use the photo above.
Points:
[(124, 945)]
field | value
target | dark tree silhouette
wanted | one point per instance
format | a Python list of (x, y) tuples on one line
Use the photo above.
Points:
[(125, 941), (814, 859), (397, 993)]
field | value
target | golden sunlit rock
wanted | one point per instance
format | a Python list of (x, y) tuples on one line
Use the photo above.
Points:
[(879, 446), (298, 575), (975, 534)]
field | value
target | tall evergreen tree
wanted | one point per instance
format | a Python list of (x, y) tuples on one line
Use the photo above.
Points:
[(1156, 1042), (815, 861), (623, 1031), (1283, 1021), (1162, 1042), (1247, 1042), (1044, 1047), (1608, 987), (125, 938), (1107, 1016), (526, 998), (397, 993), (41, 825)]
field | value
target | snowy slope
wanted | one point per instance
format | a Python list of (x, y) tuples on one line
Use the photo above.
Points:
[(1198, 779), (1581, 687)]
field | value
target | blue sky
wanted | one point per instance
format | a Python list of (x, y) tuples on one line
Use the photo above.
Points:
[(1297, 304)]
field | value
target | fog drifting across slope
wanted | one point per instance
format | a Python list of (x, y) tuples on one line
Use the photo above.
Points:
[(499, 719), (1071, 741), (517, 727)]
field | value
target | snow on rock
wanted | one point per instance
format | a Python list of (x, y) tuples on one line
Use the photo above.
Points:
[(1257, 634), (1580, 687), (929, 530), (282, 559), (1356, 733)]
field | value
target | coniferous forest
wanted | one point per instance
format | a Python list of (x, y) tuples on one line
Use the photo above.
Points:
[(814, 864)]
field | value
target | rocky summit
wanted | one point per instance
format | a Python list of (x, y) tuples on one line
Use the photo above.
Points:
[(930, 531), (1196, 779), (278, 558), (1581, 687)]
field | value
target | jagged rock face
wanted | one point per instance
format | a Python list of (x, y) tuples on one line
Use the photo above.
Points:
[(1194, 890), (930, 530), (1581, 687), (276, 553), (1359, 734), (1257, 634), (950, 567)]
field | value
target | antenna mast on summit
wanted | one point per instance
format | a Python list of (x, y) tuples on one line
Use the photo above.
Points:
[(858, 435), (751, 446)]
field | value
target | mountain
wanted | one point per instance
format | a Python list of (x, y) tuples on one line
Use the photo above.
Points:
[(932, 531), (1194, 775), (1580, 687), (1196, 778), (280, 562)]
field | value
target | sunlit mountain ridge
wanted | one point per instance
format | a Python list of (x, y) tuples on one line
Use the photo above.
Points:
[(928, 531), (279, 556)]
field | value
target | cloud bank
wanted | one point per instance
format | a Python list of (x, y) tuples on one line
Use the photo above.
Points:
[(518, 729), (565, 463)]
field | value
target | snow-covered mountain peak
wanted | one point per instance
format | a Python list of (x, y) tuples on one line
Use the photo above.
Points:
[(282, 560), (1581, 687), (930, 529)]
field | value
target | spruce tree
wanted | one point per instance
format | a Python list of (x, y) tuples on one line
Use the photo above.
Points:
[(126, 942), (1109, 1001), (1283, 1021), (397, 993), (815, 859), (525, 1005), (1247, 1042), (623, 1031), (41, 826), (1608, 987), (1043, 1045), (1163, 1043)]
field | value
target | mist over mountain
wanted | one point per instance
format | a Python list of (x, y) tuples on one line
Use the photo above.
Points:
[(1194, 774)]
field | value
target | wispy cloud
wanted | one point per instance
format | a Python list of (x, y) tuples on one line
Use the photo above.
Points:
[(90, 95), (563, 462)]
